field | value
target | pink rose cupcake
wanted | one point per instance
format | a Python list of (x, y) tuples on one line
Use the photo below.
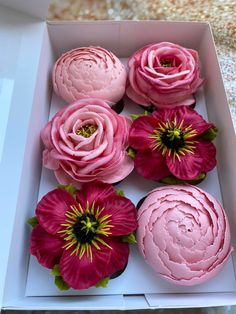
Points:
[(163, 75), (183, 234), (87, 141), (89, 72)]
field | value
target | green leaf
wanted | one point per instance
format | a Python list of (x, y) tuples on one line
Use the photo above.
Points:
[(103, 283), (173, 180), (33, 221), (131, 152), (69, 188), (60, 283), (120, 192), (135, 116), (210, 134), (55, 271), (130, 238)]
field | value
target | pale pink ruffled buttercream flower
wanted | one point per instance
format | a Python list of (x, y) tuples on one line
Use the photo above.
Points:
[(87, 141), (163, 75), (89, 72), (183, 234)]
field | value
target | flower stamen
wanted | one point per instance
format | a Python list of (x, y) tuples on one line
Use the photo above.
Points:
[(173, 139), (86, 130), (83, 229)]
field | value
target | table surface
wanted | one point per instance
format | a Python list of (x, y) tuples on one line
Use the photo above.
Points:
[(222, 16)]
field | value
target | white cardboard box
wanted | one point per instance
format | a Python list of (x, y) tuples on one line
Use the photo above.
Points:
[(29, 48)]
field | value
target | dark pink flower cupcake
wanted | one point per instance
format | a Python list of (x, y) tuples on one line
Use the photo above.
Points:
[(173, 144), (80, 236), (163, 75)]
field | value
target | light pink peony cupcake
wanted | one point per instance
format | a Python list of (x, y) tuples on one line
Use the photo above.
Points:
[(87, 141), (163, 75), (89, 72), (183, 234)]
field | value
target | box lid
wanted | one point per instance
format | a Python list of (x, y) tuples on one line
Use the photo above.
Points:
[(33, 8), (21, 35)]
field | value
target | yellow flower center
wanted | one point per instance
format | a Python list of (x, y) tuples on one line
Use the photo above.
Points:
[(174, 139), (85, 228), (166, 63), (86, 130)]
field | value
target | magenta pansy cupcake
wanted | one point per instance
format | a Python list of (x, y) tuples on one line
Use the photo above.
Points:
[(83, 235), (172, 145), (183, 234), (163, 75), (87, 72), (87, 141)]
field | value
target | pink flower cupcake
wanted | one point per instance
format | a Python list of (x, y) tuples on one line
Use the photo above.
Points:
[(163, 75), (173, 145), (183, 234), (87, 141), (89, 72), (83, 235)]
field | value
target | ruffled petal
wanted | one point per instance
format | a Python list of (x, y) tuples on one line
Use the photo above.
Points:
[(191, 117), (84, 273), (207, 151), (140, 132), (123, 215), (188, 167), (94, 192), (50, 211), (45, 247), (151, 165)]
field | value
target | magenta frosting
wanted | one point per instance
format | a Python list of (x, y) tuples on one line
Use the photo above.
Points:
[(183, 234), (89, 72)]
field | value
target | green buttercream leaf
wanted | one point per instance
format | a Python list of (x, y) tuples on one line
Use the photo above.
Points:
[(173, 180), (103, 283), (135, 116), (120, 192), (69, 188), (60, 283), (131, 152), (55, 271), (33, 221), (130, 238), (210, 134)]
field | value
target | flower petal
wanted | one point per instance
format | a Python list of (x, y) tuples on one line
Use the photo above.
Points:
[(123, 214), (84, 273), (151, 165), (141, 129), (45, 247), (94, 192), (188, 167), (207, 151), (191, 117), (50, 211)]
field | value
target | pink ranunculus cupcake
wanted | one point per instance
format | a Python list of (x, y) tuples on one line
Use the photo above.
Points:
[(89, 72), (87, 141), (183, 234), (163, 75)]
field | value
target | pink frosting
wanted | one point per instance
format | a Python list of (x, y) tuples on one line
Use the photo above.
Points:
[(164, 75), (89, 72), (101, 156), (183, 234)]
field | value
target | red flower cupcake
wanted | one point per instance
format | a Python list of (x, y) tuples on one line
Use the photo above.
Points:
[(172, 145), (80, 236), (163, 75)]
